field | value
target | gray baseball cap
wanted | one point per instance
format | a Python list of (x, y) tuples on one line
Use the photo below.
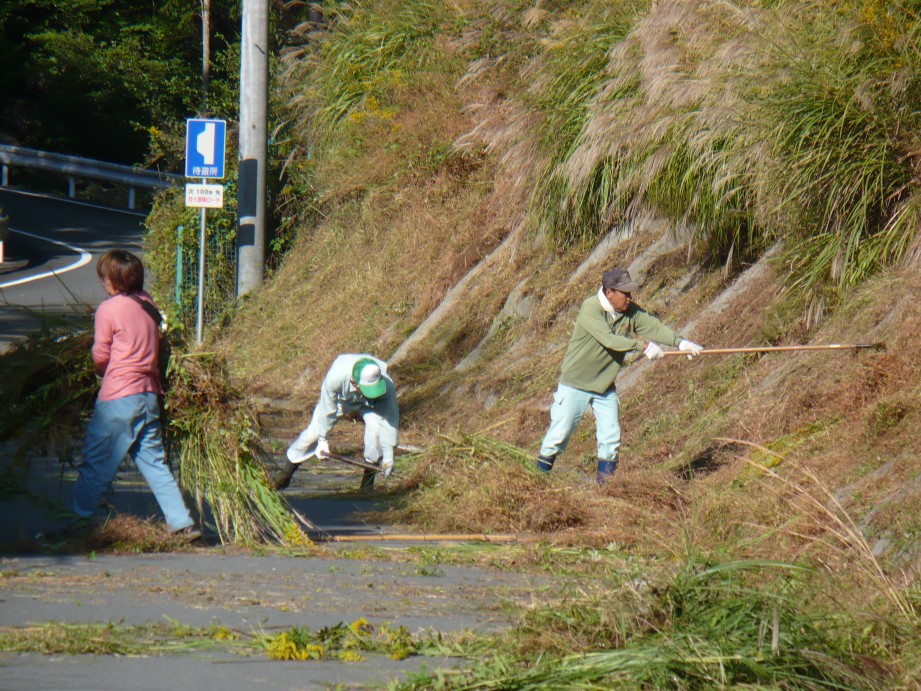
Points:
[(619, 279)]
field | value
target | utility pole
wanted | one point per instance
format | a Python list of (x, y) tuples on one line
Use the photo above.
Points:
[(254, 105), (205, 54)]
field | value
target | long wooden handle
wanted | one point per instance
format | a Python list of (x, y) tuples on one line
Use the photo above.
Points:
[(781, 349), (418, 538), (352, 461)]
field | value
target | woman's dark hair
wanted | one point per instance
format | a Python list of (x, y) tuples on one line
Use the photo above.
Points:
[(123, 269)]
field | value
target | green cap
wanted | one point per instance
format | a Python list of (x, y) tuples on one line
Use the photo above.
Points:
[(367, 375)]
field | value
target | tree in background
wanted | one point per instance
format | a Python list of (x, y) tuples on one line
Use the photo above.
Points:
[(90, 77)]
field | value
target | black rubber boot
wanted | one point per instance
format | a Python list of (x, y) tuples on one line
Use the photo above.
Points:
[(283, 479), (545, 463), (606, 469), (367, 480)]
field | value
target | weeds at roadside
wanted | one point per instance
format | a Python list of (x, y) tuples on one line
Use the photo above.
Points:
[(47, 384), (705, 624), (349, 643), (715, 621), (490, 485), (840, 535), (114, 639)]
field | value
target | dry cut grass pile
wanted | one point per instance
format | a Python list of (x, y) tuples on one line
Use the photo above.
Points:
[(475, 483)]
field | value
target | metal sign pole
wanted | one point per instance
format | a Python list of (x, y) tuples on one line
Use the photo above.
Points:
[(201, 278), (204, 158)]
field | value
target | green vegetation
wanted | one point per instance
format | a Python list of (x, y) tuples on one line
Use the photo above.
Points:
[(173, 241), (761, 530), (170, 637), (709, 624), (96, 77), (347, 643), (371, 50), (748, 125), (573, 74), (490, 486), (48, 387)]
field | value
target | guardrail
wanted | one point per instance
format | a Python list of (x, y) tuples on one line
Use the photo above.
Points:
[(76, 167)]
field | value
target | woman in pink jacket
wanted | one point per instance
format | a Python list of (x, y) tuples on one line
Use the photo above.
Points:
[(126, 417)]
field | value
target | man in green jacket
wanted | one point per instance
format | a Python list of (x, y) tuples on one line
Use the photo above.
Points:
[(608, 330)]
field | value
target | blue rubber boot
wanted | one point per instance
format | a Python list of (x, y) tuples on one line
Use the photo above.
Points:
[(545, 463), (606, 469)]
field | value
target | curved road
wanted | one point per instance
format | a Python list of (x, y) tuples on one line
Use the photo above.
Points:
[(58, 241)]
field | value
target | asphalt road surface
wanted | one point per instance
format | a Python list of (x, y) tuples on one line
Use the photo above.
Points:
[(249, 591), (49, 268)]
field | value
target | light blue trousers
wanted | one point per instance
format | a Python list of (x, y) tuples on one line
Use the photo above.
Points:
[(568, 407), (128, 425)]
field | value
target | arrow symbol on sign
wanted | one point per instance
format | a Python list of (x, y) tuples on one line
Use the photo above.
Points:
[(204, 143)]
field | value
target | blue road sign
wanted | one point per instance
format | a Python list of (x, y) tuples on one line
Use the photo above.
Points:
[(204, 148)]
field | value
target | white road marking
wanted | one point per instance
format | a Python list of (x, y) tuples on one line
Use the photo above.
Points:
[(84, 259)]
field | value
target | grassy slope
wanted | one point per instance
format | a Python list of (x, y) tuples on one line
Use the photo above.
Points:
[(414, 197)]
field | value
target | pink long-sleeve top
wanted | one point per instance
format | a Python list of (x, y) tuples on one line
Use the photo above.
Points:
[(125, 348)]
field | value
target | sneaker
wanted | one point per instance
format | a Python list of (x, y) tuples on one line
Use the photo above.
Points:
[(188, 534)]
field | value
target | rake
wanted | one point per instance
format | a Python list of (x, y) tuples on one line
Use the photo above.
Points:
[(785, 349)]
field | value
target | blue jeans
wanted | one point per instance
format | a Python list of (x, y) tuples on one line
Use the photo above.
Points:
[(128, 425), (568, 407)]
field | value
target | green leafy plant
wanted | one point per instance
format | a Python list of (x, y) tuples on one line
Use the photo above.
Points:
[(370, 48), (343, 642), (708, 624)]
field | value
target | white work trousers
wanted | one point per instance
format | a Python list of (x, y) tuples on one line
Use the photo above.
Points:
[(305, 445)]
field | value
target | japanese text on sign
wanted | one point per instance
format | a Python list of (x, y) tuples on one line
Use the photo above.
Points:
[(204, 196), (204, 171)]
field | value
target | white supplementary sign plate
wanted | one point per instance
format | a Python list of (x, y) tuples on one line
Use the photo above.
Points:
[(204, 196)]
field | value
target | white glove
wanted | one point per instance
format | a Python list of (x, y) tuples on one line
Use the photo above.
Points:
[(653, 351), (690, 347), (322, 449), (386, 467)]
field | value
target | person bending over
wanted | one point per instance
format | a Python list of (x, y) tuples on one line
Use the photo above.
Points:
[(354, 384)]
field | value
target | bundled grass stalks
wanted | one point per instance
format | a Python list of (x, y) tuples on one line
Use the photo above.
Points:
[(708, 625), (479, 484), (47, 390), (47, 387), (214, 436)]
